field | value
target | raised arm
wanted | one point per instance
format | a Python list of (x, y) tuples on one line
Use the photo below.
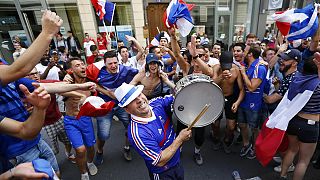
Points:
[(50, 26), (137, 44), (184, 65), (62, 87)]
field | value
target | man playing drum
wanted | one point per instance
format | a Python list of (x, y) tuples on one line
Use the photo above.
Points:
[(226, 75), (151, 131), (197, 66), (155, 81)]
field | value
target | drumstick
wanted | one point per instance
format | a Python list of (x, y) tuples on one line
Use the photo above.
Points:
[(204, 110)]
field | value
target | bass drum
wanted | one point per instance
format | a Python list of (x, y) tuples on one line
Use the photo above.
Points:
[(192, 93)]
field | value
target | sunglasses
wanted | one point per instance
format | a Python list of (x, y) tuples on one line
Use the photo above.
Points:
[(201, 55)]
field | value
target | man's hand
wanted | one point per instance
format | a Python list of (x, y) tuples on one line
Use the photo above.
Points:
[(68, 78), (39, 98), (88, 86), (242, 69), (226, 74), (172, 32), (130, 38), (164, 77), (192, 50), (234, 107), (26, 171), (283, 47), (316, 60), (51, 23), (51, 64), (184, 135)]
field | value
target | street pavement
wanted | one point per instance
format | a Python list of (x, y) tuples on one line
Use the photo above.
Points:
[(217, 165)]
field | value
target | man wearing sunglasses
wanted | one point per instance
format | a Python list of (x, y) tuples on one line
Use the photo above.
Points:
[(288, 67)]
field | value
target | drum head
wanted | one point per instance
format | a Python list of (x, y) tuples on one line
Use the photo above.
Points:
[(191, 99)]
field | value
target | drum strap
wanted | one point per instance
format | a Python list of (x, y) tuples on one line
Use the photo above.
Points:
[(166, 126)]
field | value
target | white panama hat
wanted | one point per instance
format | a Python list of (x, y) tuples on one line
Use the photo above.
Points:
[(126, 93)]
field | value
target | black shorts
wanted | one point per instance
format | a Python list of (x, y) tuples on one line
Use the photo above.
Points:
[(228, 105), (306, 130)]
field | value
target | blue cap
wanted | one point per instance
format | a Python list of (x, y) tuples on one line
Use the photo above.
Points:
[(151, 57), (291, 54)]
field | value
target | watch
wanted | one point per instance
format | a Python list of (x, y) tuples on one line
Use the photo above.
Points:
[(195, 57)]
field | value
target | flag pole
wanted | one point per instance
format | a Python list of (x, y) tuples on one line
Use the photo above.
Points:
[(115, 32)]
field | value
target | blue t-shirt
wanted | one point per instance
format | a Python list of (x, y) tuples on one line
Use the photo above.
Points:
[(113, 81), (254, 100), (150, 136), (12, 107)]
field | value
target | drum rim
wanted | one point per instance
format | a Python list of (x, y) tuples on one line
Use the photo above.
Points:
[(211, 121)]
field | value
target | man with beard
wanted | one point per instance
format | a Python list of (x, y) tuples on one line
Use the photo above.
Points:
[(227, 75), (249, 112), (49, 68), (197, 65), (288, 67), (288, 61), (151, 132), (80, 131), (155, 81)]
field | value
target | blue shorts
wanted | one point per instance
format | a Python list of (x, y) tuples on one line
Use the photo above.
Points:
[(252, 118), (80, 132)]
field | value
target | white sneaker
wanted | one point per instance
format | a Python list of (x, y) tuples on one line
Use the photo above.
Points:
[(277, 159), (85, 176), (93, 170), (278, 168)]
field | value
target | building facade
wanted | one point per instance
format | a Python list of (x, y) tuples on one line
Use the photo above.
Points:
[(220, 20)]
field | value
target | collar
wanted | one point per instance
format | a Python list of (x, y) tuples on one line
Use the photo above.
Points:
[(144, 120), (255, 62)]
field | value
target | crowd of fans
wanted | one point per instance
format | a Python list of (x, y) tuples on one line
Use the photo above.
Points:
[(256, 80)]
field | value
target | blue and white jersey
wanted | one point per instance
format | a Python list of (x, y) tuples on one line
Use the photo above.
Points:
[(150, 136)]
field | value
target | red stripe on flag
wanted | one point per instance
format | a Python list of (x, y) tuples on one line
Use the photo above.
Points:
[(268, 142), (283, 27)]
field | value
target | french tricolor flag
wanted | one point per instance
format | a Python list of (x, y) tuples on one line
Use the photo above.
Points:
[(95, 106), (297, 23), (272, 136), (156, 39), (178, 14), (104, 9)]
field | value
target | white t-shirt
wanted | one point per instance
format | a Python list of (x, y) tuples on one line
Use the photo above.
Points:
[(132, 62), (17, 54), (213, 61), (86, 46), (53, 73)]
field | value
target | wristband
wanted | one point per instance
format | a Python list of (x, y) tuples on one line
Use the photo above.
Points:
[(195, 57)]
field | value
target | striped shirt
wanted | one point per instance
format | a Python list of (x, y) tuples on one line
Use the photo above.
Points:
[(12, 107), (313, 105), (150, 136)]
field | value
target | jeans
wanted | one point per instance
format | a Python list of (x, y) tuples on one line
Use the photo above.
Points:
[(104, 122), (41, 150), (247, 116)]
